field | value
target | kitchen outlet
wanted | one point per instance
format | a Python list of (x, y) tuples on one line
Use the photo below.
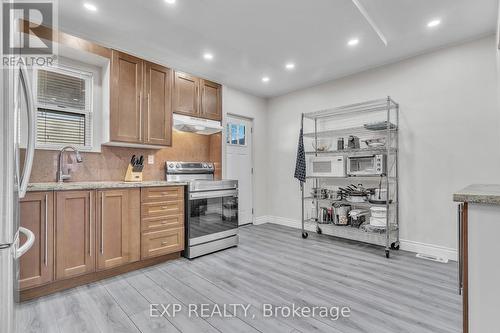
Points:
[(151, 159)]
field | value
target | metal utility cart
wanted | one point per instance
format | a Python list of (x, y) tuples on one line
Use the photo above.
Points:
[(376, 120)]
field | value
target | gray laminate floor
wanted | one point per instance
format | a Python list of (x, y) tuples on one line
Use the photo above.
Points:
[(272, 265)]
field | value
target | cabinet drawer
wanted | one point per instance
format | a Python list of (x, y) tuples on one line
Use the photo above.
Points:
[(159, 243), (166, 208), (162, 223), (149, 194)]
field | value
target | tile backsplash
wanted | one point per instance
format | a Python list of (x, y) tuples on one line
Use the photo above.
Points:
[(111, 164)]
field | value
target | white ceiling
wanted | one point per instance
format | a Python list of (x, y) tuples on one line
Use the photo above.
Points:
[(250, 39)]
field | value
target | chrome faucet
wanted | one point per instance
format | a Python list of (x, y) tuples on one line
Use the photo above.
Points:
[(61, 176)]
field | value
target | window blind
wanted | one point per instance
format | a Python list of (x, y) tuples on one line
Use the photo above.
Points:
[(64, 108), (64, 91), (57, 127)]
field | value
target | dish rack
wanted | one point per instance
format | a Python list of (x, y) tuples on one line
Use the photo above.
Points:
[(374, 121)]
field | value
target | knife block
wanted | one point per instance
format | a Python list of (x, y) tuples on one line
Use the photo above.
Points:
[(132, 176)]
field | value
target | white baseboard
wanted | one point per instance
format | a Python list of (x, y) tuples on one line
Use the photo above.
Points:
[(406, 245), (429, 249), (262, 219)]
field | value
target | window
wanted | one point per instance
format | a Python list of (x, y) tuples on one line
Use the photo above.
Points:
[(236, 134), (64, 104)]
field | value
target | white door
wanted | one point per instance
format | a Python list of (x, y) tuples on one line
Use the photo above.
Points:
[(239, 163)]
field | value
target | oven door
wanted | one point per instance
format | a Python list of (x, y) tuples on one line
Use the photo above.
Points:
[(212, 215), (361, 165)]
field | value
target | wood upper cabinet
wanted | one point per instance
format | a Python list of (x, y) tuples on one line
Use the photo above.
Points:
[(75, 233), (118, 227), (186, 97), (126, 98), (141, 101), (158, 98), (37, 215), (211, 100), (197, 97)]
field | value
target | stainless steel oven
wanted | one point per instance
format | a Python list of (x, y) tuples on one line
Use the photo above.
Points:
[(367, 165), (211, 208), (212, 221)]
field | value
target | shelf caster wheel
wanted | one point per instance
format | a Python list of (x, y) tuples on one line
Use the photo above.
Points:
[(387, 255), (319, 231), (395, 246), (304, 235)]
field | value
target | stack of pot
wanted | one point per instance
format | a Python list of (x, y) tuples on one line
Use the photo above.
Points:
[(378, 216)]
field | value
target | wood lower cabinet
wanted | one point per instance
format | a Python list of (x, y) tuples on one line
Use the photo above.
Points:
[(37, 215), (126, 123), (162, 221), (158, 108), (75, 233), (118, 227), (162, 242), (211, 100), (86, 235), (152, 194)]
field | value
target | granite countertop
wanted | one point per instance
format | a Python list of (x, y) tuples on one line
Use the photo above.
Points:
[(67, 186), (479, 193)]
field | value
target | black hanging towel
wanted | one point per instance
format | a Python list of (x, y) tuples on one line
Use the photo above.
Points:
[(300, 163)]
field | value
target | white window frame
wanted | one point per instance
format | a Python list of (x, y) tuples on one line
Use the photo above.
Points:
[(229, 134), (89, 112)]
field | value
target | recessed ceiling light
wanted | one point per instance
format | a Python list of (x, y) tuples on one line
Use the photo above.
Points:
[(90, 7), (353, 42), (266, 79), (170, 2), (208, 56), (290, 66), (434, 23)]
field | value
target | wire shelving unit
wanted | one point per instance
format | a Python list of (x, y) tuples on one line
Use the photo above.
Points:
[(342, 122)]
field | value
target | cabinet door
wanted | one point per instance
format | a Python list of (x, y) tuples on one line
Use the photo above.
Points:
[(186, 94), (158, 243), (126, 94), (211, 100), (158, 100), (75, 233), (37, 215), (118, 227)]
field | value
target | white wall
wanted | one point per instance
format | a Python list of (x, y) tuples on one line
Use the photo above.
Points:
[(449, 122), (238, 103)]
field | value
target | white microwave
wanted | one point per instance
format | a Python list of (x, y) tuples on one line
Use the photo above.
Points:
[(327, 166)]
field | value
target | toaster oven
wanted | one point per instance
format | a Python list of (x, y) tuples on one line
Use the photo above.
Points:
[(367, 165), (327, 166)]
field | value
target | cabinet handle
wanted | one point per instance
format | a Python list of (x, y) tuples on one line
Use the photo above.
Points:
[(196, 99), (46, 228), (202, 93), (140, 116), (164, 243), (102, 223), (90, 225), (149, 119), (460, 254)]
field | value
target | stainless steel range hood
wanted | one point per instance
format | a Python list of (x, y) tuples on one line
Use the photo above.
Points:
[(196, 125)]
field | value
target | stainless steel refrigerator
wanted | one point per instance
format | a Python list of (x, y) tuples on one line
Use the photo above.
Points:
[(17, 102)]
